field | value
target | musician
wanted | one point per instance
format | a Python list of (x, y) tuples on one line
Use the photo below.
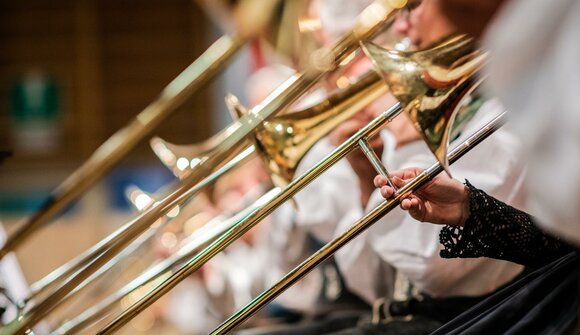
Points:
[(443, 289), (528, 55)]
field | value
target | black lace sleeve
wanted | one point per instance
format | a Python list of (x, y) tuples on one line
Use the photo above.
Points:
[(497, 230)]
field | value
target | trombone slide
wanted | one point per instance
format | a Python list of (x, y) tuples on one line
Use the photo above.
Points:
[(356, 229)]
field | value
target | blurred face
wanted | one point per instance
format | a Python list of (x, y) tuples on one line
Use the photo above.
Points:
[(423, 23), (470, 16)]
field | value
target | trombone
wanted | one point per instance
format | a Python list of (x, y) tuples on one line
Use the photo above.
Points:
[(310, 124), (372, 20), (356, 229), (193, 245), (455, 82), (444, 109), (300, 130), (194, 77)]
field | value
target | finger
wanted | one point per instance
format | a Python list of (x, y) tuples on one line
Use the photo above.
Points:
[(410, 173), (407, 173), (387, 192), (380, 181), (415, 203), (406, 204), (416, 208)]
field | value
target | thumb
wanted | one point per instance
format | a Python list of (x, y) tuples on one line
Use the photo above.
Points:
[(416, 208)]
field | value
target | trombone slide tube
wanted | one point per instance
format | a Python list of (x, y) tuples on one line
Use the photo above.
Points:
[(79, 262), (356, 229), (250, 221), (375, 161), (115, 244), (198, 241), (202, 70)]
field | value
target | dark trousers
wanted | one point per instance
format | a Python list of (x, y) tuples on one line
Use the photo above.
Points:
[(413, 317), (546, 301)]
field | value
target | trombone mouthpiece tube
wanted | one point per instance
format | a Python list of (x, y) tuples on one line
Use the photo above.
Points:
[(376, 161)]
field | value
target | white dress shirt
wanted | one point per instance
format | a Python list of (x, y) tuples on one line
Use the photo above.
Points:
[(413, 247), (534, 72), (319, 208), (323, 203)]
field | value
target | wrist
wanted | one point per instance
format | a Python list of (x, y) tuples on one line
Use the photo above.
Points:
[(465, 208)]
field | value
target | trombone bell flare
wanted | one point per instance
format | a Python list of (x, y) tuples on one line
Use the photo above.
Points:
[(424, 81), (284, 140)]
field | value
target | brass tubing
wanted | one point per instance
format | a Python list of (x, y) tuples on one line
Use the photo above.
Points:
[(201, 71), (318, 120), (189, 250), (285, 95), (250, 221), (77, 263), (375, 161), (92, 263), (333, 110), (330, 248), (283, 141)]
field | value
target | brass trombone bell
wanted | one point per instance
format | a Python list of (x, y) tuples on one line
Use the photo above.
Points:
[(282, 141), (423, 80), (181, 159)]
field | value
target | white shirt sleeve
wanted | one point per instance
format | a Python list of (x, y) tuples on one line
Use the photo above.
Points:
[(329, 197)]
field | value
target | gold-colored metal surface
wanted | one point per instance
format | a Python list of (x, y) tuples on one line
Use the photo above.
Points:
[(422, 81), (372, 20), (302, 129), (65, 272), (242, 226), (117, 146), (250, 23), (448, 103), (193, 245), (181, 159), (300, 132), (283, 141)]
